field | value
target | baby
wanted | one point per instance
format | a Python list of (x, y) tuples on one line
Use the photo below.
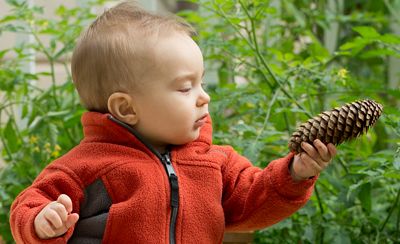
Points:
[(146, 170)]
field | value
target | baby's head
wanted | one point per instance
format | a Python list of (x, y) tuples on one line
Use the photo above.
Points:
[(113, 54), (146, 70)]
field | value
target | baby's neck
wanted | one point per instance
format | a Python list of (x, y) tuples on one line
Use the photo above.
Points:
[(162, 150)]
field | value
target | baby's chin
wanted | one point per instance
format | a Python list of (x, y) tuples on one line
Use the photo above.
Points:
[(187, 139)]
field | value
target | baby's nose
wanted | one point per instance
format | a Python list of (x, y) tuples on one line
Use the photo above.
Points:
[(204, 98)]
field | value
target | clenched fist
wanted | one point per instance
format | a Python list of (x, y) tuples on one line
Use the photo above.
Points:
[(56, 218), (312, 161)]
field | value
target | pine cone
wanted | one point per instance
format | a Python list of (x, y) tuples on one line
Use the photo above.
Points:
[(337, 125)]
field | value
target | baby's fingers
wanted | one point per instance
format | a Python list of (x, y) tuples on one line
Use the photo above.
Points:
[(66, 201), (310, 150), (45, 230), (332, 149), (310, 164), (53, 230), (323, 151), (71, 220), (53, 218), (60, 209)]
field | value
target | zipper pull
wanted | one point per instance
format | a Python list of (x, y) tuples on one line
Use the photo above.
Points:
[(173, 180), (168, 165)]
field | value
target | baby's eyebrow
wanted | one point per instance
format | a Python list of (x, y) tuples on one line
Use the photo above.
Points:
[(188, 76)]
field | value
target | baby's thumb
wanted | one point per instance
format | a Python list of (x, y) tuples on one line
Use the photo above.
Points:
[(71, 220)]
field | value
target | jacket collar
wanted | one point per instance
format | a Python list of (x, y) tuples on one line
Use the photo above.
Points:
[(104, 128)]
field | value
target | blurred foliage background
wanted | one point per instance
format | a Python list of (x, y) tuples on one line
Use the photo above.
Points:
[(270, 66)]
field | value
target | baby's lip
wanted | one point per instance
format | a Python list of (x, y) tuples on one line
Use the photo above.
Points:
[(201, 121), (202, 117)]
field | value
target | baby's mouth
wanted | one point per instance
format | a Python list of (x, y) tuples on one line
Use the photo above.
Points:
[(201, 121), (202, 117)]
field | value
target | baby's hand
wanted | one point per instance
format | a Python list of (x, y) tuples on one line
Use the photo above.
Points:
[(56, 218), (312, 161)]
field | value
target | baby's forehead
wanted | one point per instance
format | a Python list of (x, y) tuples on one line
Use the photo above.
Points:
[(172, 56), (156, 47)]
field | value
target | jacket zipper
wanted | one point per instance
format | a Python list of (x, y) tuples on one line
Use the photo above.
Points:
[(173, 182), (172, 177)]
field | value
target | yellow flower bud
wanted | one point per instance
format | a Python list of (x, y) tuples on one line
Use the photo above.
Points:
[(33, 139), (57, 148), (55, 154), (342, 73)]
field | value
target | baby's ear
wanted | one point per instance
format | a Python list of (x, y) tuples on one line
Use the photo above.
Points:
[(120, 105)]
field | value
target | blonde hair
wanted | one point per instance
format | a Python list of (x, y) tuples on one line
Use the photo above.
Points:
[(110, 54)]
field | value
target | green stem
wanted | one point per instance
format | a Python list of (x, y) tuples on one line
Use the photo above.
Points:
[(256, 49), (53, 81), (392, 11), (328, 189), (288, 127), (391, 211), (51, 62), (343, 164), (265, 119), (321, 209), (398, 224), (319, 200), (11, 104), (237, 30), (338, 92), (8, 151), (17, 131), (11, 116), (260, 56)]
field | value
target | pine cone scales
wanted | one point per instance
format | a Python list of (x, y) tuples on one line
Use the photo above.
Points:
[(337, 125)]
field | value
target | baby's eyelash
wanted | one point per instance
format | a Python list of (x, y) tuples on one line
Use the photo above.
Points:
[(185, 90)]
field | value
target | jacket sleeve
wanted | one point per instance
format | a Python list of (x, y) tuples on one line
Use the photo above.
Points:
[(254, 198), (53, 181)]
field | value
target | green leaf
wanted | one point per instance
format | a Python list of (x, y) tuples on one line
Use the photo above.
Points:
[(16, 3), (11, 137), (341, 238), (309, 234), (367, 31), (297, 14), (36, 121), (3, 52), (25, 110), (390, 39), (60, 11), (58, 113), (53, 132), (396, 163), (73, 119), (365, 197), (392, 174), (356, 45), (8, 18), (379, 53)]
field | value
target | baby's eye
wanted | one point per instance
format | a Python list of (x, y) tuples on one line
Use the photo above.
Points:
[(184, 90)]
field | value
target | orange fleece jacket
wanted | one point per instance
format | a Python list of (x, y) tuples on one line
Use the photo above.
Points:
[(218, 189)]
